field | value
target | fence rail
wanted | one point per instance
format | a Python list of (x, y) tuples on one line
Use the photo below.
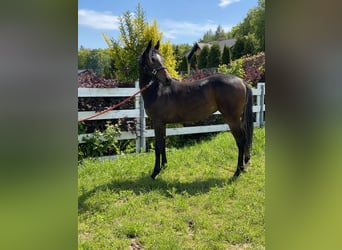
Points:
[(139, 113)]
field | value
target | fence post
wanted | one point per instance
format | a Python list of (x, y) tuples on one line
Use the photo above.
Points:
[(142, 125), (140, 143), (137, 127), (262, 103)]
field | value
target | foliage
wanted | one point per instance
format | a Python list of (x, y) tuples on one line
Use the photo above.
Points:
[(226, 55), (100, 142), (250, 68), (170, 60), (104, 142), (83, 55), (254, 68), (98, 60), (259, 25), (244, 46), (191, 205), (91, 80), (130, 44), (238, 49), (251, 30), (180, 51), (235, 68), (135, 33), (253, 24), (183, 65), (210, 36), (203, 57), (194, 62), (219, 33), (214, 57)]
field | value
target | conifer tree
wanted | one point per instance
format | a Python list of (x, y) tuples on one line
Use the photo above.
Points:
[(214, 57), (226, 55), (203, 57)]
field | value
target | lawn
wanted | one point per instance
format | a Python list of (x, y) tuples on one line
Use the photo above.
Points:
[(192, 204)]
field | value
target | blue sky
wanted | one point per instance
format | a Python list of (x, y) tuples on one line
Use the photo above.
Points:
[(181, 21)]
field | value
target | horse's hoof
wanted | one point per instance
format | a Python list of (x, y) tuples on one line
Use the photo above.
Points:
[(247, 164), (237, 173), (239, 170), (154, 174)]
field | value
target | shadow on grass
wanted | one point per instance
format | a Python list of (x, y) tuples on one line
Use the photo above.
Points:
[(145, 184)]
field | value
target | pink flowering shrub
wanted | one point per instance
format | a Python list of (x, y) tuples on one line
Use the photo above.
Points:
[(254, 68)]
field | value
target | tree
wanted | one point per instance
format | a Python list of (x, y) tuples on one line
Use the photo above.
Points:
[(203, 57), (246, 45), (238, 48), (208, 36), (250, 45), (180, 51), (183, 65), (135, 33), (99, 60), (253, 24), (127, 48), (259, 24), (226, 55), (193, 61), (219, 34), (83, 57), (214, 56)]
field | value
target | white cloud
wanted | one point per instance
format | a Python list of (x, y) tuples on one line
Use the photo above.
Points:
[(224, 3), (98, 20), (172, 29)]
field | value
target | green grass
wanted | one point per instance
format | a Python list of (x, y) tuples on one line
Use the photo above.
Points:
[(191, 204)]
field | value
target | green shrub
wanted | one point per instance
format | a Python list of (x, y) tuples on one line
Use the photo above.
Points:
[(104, 143), (235, 68)]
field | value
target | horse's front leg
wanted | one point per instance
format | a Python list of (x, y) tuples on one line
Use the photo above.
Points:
[(160, 133)]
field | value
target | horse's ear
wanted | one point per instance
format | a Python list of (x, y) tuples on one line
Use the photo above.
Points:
[(157, 45), (149, 45), (148, 49)]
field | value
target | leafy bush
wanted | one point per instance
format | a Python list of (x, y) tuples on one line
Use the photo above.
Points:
[(254, 68), (90, 79), (104, 143), (235, 68), (250, 68)]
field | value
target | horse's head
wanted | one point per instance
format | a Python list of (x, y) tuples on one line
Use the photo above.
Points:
[(151, 63)]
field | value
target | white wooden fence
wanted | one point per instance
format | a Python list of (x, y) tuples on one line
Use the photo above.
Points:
[(139, 114)]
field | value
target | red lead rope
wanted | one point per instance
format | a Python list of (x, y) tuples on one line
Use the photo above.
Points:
[(116, 105)]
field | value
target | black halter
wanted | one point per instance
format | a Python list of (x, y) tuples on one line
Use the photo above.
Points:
[(155, 71)]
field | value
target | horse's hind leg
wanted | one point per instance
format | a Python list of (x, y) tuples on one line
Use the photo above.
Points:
[(240, 140)]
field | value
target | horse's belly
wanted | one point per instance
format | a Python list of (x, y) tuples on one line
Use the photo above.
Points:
[(192, 115)]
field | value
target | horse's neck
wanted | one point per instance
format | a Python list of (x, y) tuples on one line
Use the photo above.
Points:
[(149, 95), (143, 80)]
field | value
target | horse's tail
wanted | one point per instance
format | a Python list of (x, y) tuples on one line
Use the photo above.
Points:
[(247, 122)]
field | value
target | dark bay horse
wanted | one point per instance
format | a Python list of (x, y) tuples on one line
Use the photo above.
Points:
[(167, 100)]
